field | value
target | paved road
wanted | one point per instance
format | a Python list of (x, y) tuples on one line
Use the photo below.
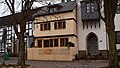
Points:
[(56, 64)]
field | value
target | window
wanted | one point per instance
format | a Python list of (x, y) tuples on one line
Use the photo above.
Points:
[(55, 42), (118, 37), (90, 8), (60, 25), (44, 26), (46, 43), (53, 9), (29, 29), (62, 42), (118, 8), (51, 42), (39, 43)]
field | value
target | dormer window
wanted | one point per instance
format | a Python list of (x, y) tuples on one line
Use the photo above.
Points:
[(90, 8)]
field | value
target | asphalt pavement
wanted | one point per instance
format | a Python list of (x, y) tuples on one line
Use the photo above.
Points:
[(60, 64)]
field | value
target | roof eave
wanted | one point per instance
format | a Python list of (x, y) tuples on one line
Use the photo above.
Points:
[(53, 13)]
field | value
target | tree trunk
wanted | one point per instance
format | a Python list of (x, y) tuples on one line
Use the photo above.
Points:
[(110, 28), (109, 12), (21, 60), (113, 60)]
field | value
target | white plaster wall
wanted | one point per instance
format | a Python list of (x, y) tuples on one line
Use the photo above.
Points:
[(82, 33), (117, 26), (118, 46), (117, 22)]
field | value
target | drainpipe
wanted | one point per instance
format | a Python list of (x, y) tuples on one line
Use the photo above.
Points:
[(77, 26)]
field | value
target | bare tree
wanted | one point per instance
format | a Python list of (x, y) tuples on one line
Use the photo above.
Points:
[(108, 17), (20, 20)]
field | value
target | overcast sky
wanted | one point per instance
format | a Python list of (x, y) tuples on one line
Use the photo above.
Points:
[(5, 11)]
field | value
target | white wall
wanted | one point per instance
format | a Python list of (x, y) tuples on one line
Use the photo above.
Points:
[(117, 26), (117, 22), (82, 33)]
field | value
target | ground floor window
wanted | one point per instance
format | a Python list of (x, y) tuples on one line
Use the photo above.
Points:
[(53, 42)]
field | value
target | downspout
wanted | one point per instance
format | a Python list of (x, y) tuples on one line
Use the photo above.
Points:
[(77, 28)]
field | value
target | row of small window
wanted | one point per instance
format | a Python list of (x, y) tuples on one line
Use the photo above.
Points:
[(90, 7), (118, 7), (60, 42), (57, 25)]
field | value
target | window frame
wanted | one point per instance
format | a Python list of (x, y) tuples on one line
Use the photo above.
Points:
[(65, 42), (90, 7), (52, 40), (60, 24), (47, 24)]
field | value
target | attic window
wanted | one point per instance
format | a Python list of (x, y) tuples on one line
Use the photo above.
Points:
[(90, 7)]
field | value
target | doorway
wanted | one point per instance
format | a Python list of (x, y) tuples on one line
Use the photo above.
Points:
[(92, 44)]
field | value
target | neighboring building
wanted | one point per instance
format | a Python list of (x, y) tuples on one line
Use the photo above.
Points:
[(55, 32), (92, 31), (92, 36), (9, 38)]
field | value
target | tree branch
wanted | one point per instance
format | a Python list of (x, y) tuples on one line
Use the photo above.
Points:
[(98, 4), (9, 6), (114, 7)]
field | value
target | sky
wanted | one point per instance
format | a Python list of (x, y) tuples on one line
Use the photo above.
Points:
[(5, 11)]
